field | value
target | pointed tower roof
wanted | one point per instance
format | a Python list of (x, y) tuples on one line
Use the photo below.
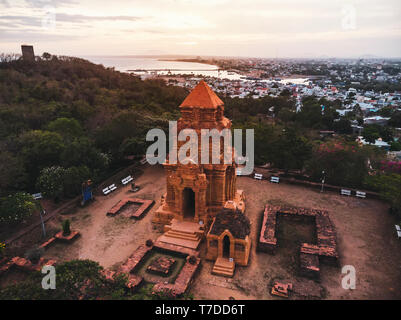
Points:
[(202, 96)]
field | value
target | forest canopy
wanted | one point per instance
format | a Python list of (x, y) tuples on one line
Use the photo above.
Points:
[(71, 114)]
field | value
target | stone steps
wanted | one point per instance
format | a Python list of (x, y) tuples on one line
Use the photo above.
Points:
[(179, 242), (182, 235), (223, 267)]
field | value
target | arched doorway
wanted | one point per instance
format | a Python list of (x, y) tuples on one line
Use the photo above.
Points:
[(226, 247), (188, 203)]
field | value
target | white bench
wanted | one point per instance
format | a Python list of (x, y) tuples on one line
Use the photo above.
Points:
[(258, 176), (37, 196), (275, 179), (345, 192), (398, 228), (109, 189), (361, 194), (127, 180)]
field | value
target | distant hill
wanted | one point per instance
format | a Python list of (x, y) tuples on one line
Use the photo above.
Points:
[(68, 112)]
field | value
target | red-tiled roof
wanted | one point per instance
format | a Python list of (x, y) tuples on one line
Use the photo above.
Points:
[(202, 96)]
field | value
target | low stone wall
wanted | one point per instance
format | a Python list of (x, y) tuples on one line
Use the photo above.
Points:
[(25, 265), (183, 279), (310, 254), (182, 282), (134, 259), (145, 205), (60, 237)]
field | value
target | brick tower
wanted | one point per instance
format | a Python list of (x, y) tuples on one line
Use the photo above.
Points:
[(197, 192), (27, 53)]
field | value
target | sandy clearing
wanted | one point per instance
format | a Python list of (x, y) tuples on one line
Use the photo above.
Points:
[(364, 228)]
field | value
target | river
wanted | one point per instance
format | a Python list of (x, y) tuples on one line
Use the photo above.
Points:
[(163, 67)]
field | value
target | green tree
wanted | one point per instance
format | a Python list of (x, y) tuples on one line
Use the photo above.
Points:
[(15, 208), (395, 146), (81, 151), (389, 186), (290, 150), (46, 56), (80, 279), (66, 127), (310, 115), (395, 120), (73, 179), (51, 182), (40, 149), (133, 146), (373, 132), (76, 279), (386, 112), (66, 227), (342, 126), (344, 164), (264, 136), (12, 173)]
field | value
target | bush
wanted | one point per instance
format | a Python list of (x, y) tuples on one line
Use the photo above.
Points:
[(66, 227), (17, 207), (80, 279), (34, 255)]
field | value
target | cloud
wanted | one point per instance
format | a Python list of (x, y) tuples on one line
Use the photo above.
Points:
[(62, 17), (227, 27), (54, 3), (18, 21), (30, 37), (80, 18)]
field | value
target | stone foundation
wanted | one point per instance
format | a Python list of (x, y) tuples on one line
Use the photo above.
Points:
[(25, 265), (310, 254), (183, 279), (143, 206)]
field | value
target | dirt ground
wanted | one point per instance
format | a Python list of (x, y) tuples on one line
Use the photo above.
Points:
[(366, 240), (111, 240), (364, 228)]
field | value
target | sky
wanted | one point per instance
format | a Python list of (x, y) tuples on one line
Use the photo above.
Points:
[(249, 28)]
